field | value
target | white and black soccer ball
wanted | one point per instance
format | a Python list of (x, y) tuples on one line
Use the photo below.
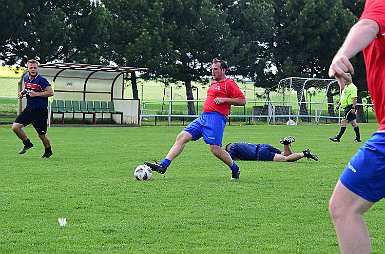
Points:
[(143, 173)]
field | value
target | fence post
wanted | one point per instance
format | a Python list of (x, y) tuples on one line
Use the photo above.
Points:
[(169, 114)]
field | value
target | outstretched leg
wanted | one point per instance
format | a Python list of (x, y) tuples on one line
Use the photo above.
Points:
[(295, 156), (175, 150), (289, 158), (180, 142), (225, 157), (222, 155)]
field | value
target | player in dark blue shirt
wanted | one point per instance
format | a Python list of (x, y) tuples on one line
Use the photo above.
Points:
[(37, 90), (265, 152)]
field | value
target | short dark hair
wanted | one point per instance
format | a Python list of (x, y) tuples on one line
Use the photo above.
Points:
[(222, 63), (33, 61)]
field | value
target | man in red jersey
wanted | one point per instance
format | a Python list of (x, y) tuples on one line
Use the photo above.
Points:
[(210, 125), (363, 181)]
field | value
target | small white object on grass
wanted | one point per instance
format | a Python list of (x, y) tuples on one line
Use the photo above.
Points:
[(291, 122), (62, 222)]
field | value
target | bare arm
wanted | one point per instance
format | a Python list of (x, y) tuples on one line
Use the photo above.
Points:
[(231, 101), (359, 37), (48, 92)]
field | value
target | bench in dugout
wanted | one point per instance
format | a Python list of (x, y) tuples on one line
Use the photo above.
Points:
[(57, 107), (108, 107), (84, 107), (87, 108)]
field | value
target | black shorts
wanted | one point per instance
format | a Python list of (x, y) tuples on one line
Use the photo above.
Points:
[(348, 115), (36, 116)]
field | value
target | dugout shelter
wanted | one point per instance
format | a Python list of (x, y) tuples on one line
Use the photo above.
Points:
[(91, 85)]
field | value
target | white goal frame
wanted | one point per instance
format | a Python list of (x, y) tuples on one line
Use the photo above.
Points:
[(302, 84)]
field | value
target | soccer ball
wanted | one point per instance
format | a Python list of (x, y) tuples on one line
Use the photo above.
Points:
[(143, 172)]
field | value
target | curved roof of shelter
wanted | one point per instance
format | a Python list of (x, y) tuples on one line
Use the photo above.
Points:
[(73, 77), (91, 67)]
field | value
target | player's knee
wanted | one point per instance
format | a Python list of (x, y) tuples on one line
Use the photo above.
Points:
[(16, 127), (43, 136), (216, 150), (335, 211), (183, 137)]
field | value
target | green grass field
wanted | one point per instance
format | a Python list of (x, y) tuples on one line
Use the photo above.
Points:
[(274, 208)]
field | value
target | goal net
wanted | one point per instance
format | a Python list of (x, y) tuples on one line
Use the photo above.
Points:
[(298, 99)]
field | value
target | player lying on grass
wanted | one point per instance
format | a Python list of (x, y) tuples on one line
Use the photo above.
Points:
[(265, 152)]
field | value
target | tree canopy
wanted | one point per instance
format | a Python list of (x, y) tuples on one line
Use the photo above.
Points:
[(177, 39)]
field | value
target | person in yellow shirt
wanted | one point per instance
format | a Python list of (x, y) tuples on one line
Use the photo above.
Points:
[(348, 102)]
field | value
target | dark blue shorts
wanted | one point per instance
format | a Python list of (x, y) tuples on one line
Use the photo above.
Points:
[(267, 152), (36, 116), (210, 126), (365, 173)]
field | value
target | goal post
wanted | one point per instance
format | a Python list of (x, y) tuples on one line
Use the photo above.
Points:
[(309, 99)]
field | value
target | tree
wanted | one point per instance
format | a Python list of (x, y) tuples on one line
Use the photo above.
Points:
[(136, 36), (53, 30), (308, 34), (88, 32), (252, 23), (12, 28), (177, 39)]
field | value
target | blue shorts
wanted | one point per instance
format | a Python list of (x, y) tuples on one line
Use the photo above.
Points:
[(365, 173), (210, 126), (267, 152)]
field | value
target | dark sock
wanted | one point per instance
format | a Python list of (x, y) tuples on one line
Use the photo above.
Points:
[(234, 167), (357, 131), (27, 142), (342, 130), (48, 149), (165, 162)]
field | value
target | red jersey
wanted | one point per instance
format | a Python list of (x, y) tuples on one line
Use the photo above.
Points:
[(374, 56), (225, 89)]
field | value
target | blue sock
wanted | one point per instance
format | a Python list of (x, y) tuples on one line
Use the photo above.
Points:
[(165, 162), (234, 167)]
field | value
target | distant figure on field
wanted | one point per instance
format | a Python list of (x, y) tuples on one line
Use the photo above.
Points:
[(265, 152), (348, 102), (37, 90)]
